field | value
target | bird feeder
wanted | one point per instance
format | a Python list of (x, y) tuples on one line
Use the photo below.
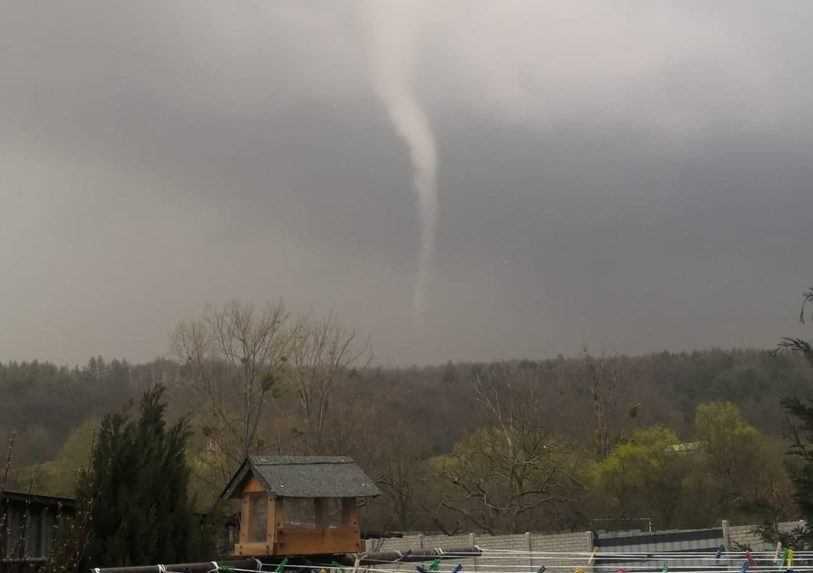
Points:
[(299, 505)]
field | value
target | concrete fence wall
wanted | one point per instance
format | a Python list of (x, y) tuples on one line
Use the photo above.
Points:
[(746, 536), (735, 537), (526, 543)]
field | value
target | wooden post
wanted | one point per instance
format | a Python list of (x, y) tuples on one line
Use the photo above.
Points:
[(271, 525), (473, 543), (320, 512), (44, 537), (280, 515)]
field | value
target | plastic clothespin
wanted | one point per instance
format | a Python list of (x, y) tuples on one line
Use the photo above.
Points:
[(745, 566), (281, 567), (665, 568), (434, 565), (541, 569), (791, 554), (336, 566), (458, 568), (749, 558), (719, 552), (420, 569)]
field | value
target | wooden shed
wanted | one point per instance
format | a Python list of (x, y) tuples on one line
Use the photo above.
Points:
[(299, 505), (28, 524)]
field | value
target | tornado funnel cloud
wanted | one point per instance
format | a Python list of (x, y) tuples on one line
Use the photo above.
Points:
[(388, 28)]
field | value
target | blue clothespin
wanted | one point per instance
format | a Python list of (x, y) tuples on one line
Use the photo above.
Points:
[(719, 552), (542, 569), (458, 568), (745, 566), (420, 569)]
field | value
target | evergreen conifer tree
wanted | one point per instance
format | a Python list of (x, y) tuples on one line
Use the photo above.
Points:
[(802, 440), (137, 490)]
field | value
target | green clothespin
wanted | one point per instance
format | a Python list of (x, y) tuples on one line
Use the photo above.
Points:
[(281, 567), (435, 565), (665, 568), (337, 566)]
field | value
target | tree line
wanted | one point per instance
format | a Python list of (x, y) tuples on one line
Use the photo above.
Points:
[(681, 439)]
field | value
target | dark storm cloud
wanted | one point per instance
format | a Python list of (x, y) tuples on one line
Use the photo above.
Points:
[(631, 179)]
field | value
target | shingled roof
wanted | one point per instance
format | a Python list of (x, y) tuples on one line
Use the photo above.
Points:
[(304, 476)]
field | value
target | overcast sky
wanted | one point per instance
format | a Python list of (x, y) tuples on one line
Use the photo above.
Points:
[(629, 176)]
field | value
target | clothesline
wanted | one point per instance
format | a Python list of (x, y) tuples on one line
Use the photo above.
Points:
[(496, 561)]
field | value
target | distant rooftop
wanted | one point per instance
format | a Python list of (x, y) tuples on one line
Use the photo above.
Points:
[(684, 447), (26, 497), (304, 476)]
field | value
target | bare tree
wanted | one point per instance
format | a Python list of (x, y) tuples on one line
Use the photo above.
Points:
[(499, 480), (233, 357), (511, 396), (398, 462), (323, 351), (501, 475), (4, 508), (798, 344), (9, 457), (602, 377)]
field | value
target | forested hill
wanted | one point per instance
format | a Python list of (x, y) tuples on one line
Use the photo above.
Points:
[(43, 402), (394, 420)]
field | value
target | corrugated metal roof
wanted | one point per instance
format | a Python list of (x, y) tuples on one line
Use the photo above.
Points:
[(306, 476)]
